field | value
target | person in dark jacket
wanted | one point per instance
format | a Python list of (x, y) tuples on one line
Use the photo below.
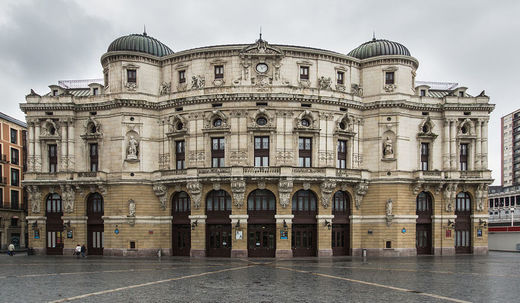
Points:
[(83, 251)]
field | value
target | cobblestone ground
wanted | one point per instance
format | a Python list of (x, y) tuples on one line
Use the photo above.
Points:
[(492, 278)]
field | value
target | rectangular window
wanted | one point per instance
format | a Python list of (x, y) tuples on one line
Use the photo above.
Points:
[(15, 177), (304, 73), (425, 155), (14, 136), (217, 152), (15, 202), (389, 78), (94, 159), (14, 221), (261, 151), (464, 156), (54, 92), (342, 154), (131, 75), (219, 71), (340, 77), (53, 158), (423, 92), (1, 200), (180, 155), (15, 156), (304, 152), (95, 91), (182, 76)]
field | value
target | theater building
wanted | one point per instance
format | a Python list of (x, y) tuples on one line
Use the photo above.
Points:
[(257, 150)]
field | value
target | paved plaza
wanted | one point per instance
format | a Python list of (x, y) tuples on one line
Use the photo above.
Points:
[(492, 278)]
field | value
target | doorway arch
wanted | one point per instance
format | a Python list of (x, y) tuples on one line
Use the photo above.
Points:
[(54, 224)]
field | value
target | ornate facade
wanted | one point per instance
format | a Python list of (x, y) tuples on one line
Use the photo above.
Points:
[(258, 150)]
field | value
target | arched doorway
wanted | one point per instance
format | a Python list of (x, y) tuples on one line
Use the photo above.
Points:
[(54, 224), (304, 231), (261, 224), (341, 224), (181, 230), (423, 227), (463, 223), (95, 227), (218, 224)]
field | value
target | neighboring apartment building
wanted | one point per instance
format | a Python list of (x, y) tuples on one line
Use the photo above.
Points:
[(511, 149), (258, 150), (13, 164)]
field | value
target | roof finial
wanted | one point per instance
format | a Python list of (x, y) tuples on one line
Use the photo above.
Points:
[(374, 36), (260, 32), (144, 31)]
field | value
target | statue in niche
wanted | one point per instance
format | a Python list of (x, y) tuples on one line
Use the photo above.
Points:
[(133, 149), (388, 149), (131, 208), (389, 206)]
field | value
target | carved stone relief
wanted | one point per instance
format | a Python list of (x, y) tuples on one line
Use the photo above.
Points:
[(324, 82), (68, 197), (356, 90), (238, 188), (326, 192), (389, 214), (35, 197), (195, 191), (165, 89), (360, 191), (284, 192), (131, 208), (160, 190), (197, 82)]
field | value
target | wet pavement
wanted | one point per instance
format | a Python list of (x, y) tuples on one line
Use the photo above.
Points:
[(491, 278)]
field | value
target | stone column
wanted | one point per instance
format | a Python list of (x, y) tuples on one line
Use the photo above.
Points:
[(22, 232), (446, 147), (484, 146), (478, 148), (453, 144), (239, 246), (70, 145), (37, 148), (283, 246), (64, 143), (355, 147), (198, 236), (3, 240), (324, 234), (30, 150), (360, 136)]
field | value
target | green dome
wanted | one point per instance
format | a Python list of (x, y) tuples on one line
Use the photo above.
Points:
[(140, 43), (379, 47)]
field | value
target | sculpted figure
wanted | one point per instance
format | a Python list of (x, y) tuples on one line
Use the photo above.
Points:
[(133, 148), (131, 208), (388, 149)]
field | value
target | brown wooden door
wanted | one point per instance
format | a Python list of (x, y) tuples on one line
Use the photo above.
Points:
[(463, 224), (423, 239), (54, 225), (261, 240), (181, 239), (95, 238), (218, 240), (54, 239), (340, 239), (303, 240)]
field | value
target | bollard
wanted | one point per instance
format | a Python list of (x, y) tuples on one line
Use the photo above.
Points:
[(364, 253)]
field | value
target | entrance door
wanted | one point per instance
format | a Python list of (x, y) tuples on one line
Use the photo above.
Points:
[(423, 239), (54, 225), (219, 240), (181, 239), (304, 240), (54, 241), (261, 240), (463, 224), (423, 227), (95, 227), (340, 239), (95, 239)]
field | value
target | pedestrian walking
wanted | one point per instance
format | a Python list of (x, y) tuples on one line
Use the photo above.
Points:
[(10, 249), (83, 251), (77, 250)]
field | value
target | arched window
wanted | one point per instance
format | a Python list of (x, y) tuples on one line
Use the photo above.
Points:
[(54, 203), (463, 202), (341, 203), (95, 204), (304, 201), (181, 202), (261, 200), (218, 200), (424, 202)]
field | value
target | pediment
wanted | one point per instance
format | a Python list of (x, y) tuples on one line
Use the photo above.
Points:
[(261, 48)]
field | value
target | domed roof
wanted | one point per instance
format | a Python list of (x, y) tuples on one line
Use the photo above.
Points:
[(141, 43), (379, 47)]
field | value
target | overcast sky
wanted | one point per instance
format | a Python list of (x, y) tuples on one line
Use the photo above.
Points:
[(474, 43)]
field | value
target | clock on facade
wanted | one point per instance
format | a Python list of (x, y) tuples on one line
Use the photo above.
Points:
[(261, 67)]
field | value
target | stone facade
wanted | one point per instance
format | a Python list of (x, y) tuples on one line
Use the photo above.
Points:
[(238, 93)]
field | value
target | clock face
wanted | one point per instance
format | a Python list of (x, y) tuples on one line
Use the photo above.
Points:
[(261, 67)]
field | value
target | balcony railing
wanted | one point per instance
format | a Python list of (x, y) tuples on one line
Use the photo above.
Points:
[(215, 171), (87, 174), (261, 170), (175, 172), (308, 170), (345, 172), (470, 174)]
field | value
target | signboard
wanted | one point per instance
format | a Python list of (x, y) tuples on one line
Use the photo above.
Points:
[(283, 235), (479, 232), (448, 233), (403, 230), (238, 235), (69, 234), (37, 234)]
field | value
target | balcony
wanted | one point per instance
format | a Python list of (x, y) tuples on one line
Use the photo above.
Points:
[(261, 171), (308, 171), (176, 172), (344, 172), (3, 159), (215, 171), (470, 174), (428, 174)]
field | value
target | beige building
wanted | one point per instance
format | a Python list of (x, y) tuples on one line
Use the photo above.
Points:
[(258, 150), (12, 168)]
